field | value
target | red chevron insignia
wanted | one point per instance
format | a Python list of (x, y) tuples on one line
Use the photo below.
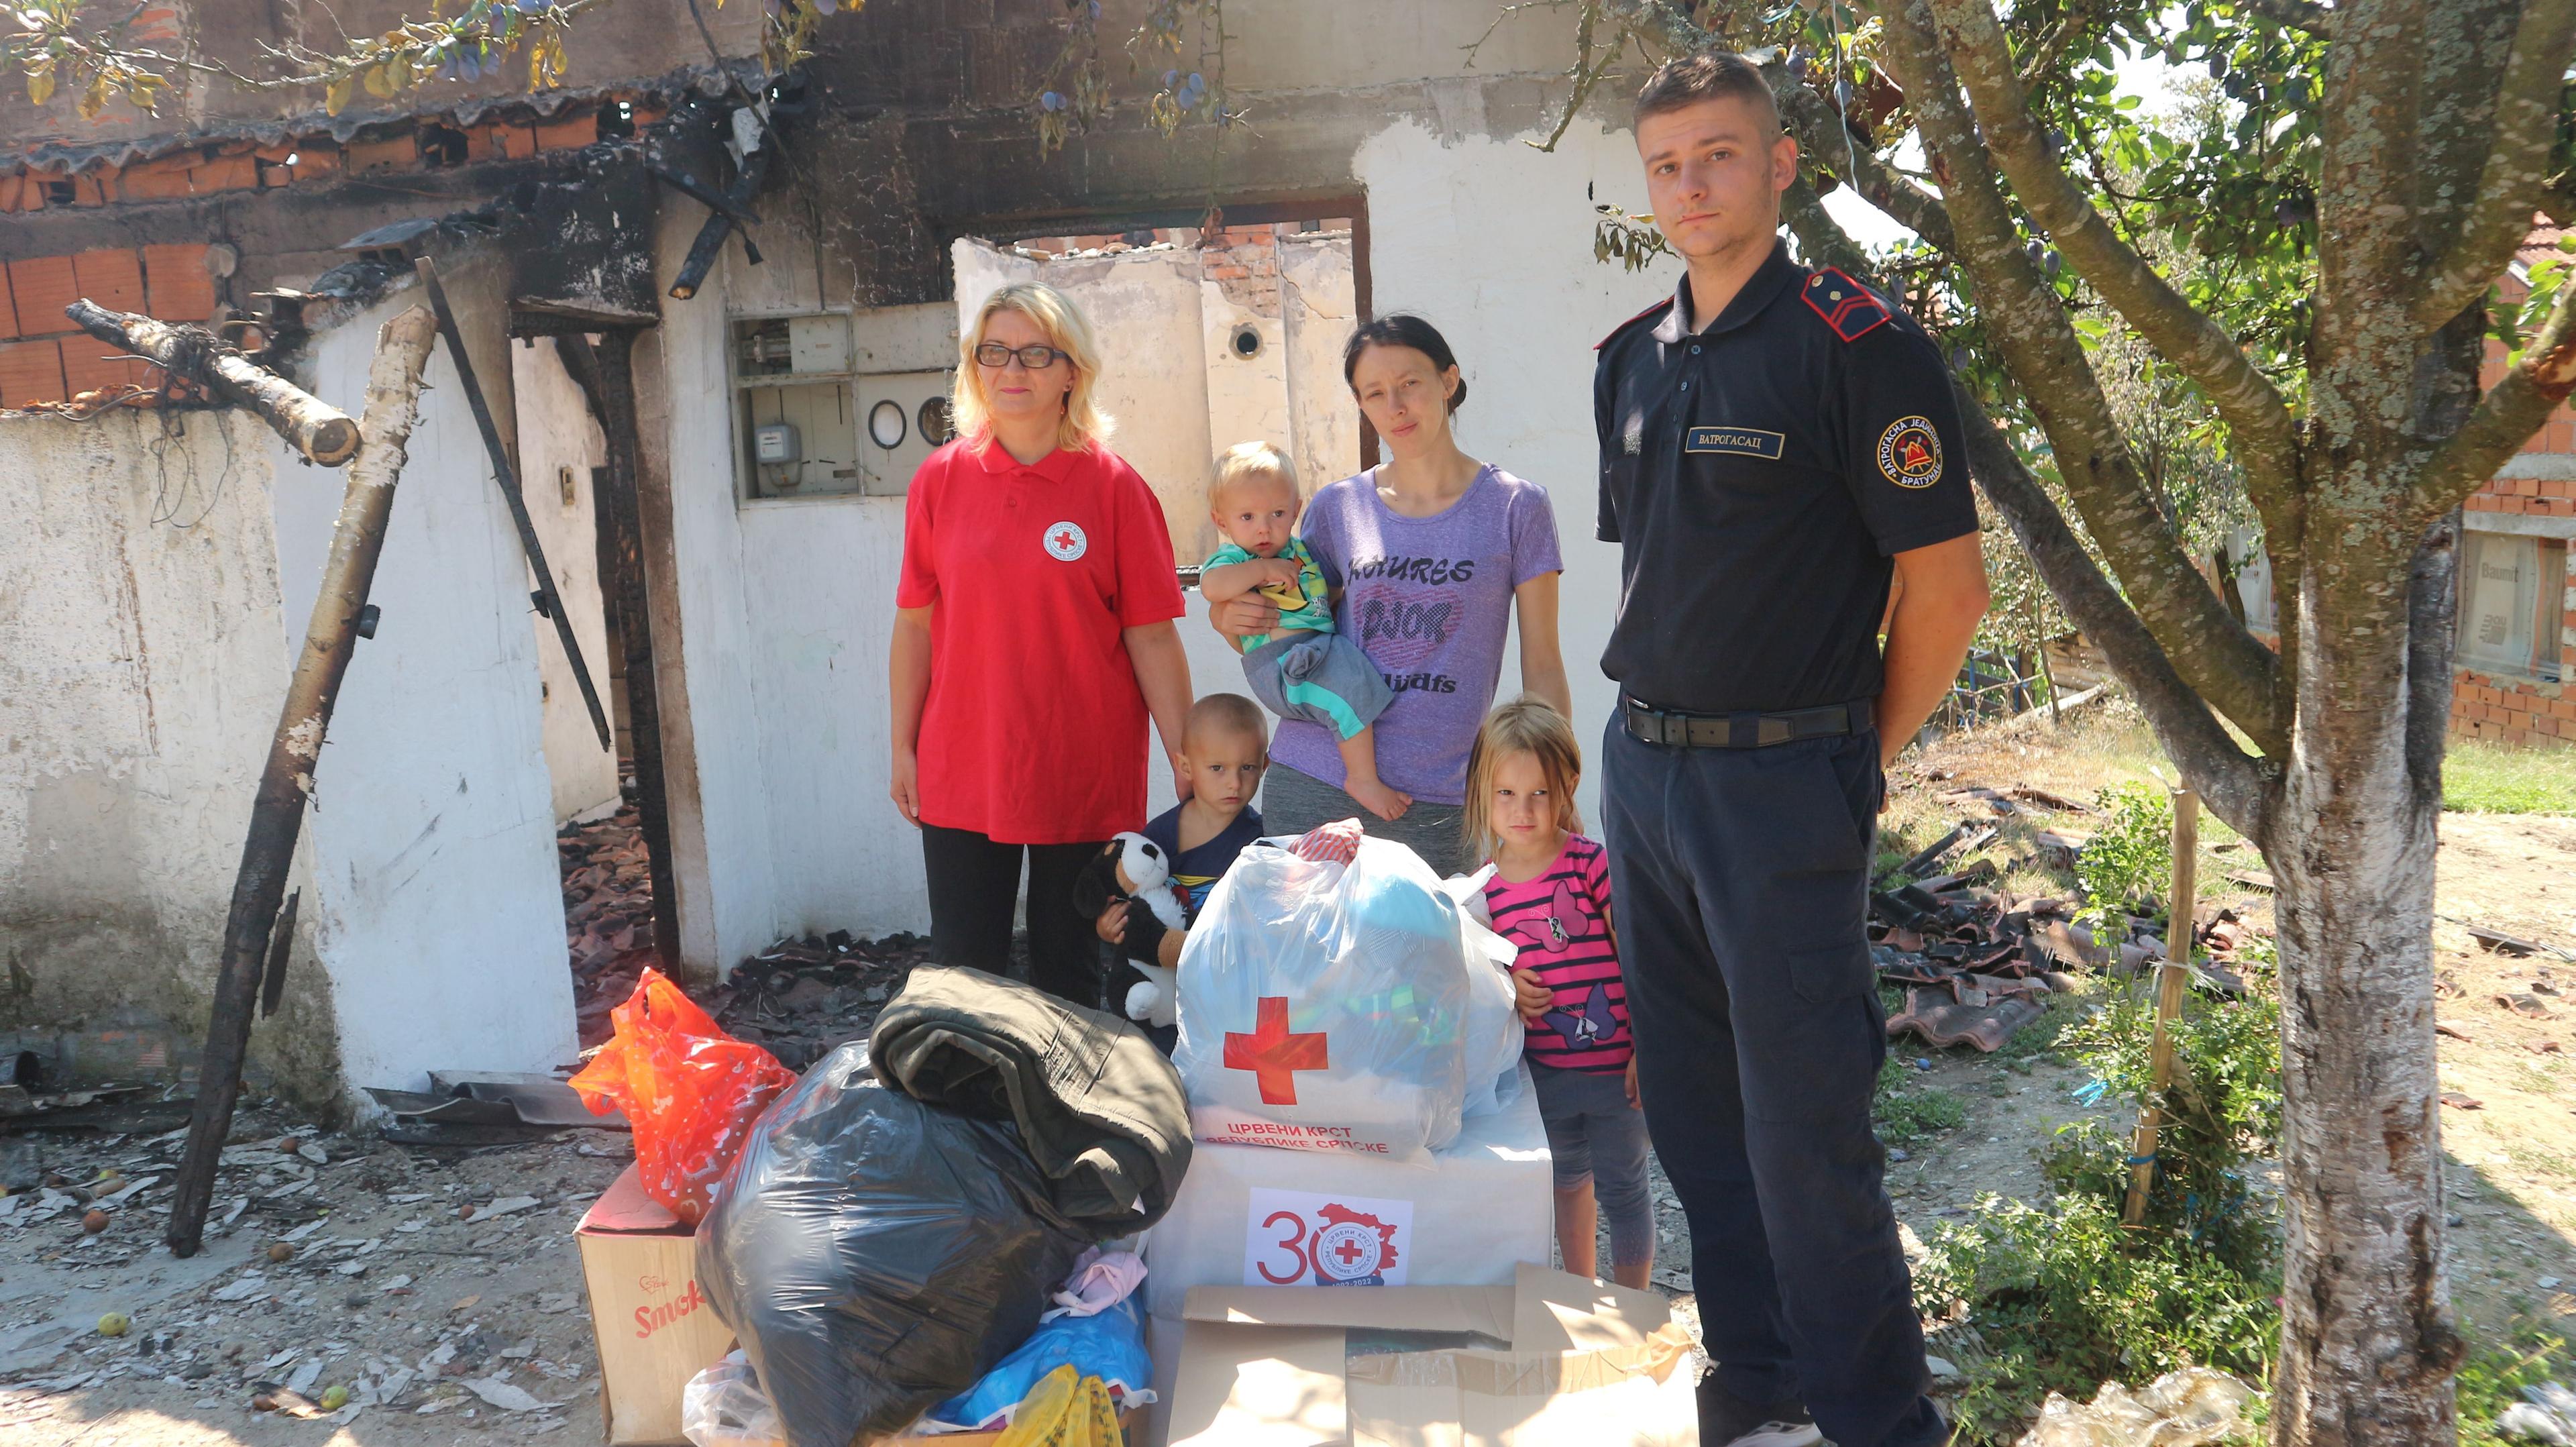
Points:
[(1851, 309)]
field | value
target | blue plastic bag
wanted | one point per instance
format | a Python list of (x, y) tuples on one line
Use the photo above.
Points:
[(1109, 1345)]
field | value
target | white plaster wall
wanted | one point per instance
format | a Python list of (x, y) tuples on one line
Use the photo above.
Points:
[(140, 680), (556, 431), (435, 904), (1491, 239), (1318, 308), (1247, 396)]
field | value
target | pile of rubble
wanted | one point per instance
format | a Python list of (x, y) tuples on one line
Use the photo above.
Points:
[(340, 1275), (608, 913), (800, 998), (1975, 961)]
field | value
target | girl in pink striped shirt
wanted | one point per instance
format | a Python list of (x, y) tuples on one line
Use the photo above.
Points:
[(1550, 894)]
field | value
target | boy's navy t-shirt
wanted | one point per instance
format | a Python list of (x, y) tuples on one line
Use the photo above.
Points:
[(1197, 871)]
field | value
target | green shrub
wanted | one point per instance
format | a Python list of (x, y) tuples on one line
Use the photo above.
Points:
[(2065, 1297), (2130, 858)]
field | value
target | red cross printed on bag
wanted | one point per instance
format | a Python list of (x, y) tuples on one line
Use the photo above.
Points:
[(1272, 1054)]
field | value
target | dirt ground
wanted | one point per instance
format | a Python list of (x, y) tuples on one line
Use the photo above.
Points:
[(427, 1314)]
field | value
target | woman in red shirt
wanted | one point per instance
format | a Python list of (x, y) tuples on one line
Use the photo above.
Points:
[(1032, 636)]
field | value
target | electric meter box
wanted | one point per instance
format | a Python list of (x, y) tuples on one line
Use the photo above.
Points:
[(775, 442), (818, 344)]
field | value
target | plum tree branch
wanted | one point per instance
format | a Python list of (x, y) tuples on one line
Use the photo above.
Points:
[(2513, 183), (2206, 644), (2505, 418), (2238, 788), (2265, 436)]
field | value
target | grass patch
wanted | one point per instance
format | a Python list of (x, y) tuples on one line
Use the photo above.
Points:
[(2484, 777), (2493, 1377), (1906, 1112)]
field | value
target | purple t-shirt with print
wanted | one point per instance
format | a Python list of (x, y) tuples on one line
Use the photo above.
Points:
[(1429, 600)]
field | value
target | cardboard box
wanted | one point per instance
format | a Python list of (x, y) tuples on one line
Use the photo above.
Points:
[(651, 1317), (1581, 1364), (1253, 1216)]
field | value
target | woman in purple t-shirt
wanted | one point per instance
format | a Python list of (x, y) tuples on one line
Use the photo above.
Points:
[(1428, 553)]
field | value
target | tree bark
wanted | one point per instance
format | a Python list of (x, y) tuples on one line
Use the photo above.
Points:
[(2367, 1341), (320, 431)]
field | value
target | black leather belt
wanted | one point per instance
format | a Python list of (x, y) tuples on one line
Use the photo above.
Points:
[(1743, 730)]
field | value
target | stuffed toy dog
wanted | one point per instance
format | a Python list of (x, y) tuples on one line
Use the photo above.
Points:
[(1132, 866)]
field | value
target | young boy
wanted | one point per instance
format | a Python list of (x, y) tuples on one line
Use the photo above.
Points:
[(1305, 669), (1226, 745)]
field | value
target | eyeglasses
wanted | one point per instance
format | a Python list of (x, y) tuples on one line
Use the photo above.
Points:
[(1035, 358)]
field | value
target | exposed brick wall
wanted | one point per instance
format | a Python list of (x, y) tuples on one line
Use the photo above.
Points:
[(243, 166), (2525, 710), (2514, 710), (44, 358), (1242, 260)]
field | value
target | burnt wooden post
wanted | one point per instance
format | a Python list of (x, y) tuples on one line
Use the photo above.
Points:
[(277, 809), (606, 375)]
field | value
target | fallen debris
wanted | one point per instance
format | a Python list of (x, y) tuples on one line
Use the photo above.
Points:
[(2462, 1100), (2546, 1413), (2188, 1408)]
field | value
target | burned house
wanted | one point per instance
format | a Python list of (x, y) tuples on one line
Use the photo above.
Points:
[(712, 310)]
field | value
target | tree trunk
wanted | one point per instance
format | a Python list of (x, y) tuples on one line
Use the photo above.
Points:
[(2367, 1343)]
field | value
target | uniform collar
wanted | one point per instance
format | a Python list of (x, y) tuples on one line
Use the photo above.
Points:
[(1776, 275), (1056, 466)]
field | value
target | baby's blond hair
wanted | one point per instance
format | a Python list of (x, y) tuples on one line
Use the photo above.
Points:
[(1247, 460)]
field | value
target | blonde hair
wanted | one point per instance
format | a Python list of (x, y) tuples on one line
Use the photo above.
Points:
[(1245, 460), (1528, 724), (1084, 425)]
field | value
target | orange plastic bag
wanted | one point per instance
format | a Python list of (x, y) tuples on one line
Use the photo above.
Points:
[(690, 1090)]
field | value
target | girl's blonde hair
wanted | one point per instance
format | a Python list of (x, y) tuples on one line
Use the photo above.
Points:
[(1528, 724), (1068, 331)]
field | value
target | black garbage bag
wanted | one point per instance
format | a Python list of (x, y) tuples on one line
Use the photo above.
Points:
[(875, 1254)]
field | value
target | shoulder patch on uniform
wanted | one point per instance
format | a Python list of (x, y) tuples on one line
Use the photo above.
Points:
[(1632, 321), (1909, 452), (1851, 309)]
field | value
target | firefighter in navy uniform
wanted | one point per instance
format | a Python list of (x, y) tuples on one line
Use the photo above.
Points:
[(1779, 456)]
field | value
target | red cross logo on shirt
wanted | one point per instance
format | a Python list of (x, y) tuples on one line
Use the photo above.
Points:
[(1065, 541), (1273, 1055)]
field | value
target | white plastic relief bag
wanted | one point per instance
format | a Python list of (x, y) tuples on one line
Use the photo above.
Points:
[(1341, 1007)]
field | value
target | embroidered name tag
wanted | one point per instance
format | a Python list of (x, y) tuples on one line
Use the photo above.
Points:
[(1750, 441)]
